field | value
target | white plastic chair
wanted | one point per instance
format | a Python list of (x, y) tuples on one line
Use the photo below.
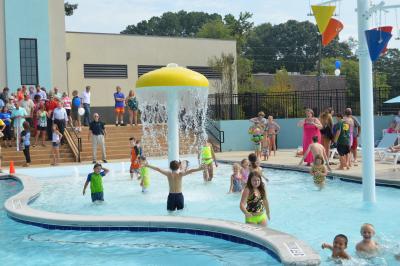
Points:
[(387, 141)]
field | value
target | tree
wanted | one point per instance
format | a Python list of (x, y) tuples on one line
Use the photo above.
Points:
[(215, 29), (69, 8), (181, 24), (389, 63)]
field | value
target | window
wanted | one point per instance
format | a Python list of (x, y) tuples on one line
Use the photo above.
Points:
[(28, 61), (143, 69), (208, 72), (105, 71)]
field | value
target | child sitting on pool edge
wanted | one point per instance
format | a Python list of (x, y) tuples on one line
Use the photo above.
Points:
[(144, 174), (96, 183), (175, 197), (367, 246), (338, 247), (319, 171)]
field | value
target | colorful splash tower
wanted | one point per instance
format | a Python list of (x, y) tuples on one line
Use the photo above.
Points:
[(372, 43)]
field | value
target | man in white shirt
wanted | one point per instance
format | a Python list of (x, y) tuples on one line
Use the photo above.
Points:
[(57, 94), (60, 118), (28, 105), (86, 105)]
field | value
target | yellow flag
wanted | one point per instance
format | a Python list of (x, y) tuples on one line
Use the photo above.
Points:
[(322, 15)]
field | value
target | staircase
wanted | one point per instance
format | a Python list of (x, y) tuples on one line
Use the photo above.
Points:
[(39, 154), (117, 143)]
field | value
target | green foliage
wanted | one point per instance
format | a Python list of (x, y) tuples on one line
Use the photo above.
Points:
[(215, 29), (282, 82), (182, 24), (293, 45), (69, 8), (389, 64)]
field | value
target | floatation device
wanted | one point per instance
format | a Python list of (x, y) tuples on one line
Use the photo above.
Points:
[(257, 138)]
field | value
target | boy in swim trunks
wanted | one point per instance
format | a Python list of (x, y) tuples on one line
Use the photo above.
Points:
[(316, 149), (175, 197), (96, 183), (207, 157)]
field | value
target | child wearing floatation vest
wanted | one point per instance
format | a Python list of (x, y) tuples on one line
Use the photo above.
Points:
[(144, 174), (257, 136), (134, 169), (207, 157)]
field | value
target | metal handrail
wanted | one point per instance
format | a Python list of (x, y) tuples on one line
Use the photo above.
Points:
[(78, 143), (214, 131)]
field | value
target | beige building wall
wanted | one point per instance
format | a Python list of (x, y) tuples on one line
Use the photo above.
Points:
[(57, 39), (3, 69), (92, 48)]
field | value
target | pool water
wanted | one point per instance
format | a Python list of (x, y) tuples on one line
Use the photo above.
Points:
[(28, 245), (297, 206)]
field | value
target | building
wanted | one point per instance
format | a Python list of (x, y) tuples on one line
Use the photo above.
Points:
[(35, 49)]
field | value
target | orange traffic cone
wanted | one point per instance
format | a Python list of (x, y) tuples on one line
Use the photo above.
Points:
[(12, 169)]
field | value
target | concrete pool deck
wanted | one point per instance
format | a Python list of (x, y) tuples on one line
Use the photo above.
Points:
[(286, 159)]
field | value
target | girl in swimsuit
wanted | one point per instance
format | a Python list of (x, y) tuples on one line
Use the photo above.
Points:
[(245, 170), (254, 202), (236, 179), (272, 129)]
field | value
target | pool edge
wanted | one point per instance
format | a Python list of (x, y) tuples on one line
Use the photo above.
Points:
[(288, 249)]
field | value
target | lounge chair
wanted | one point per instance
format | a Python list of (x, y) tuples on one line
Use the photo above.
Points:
[(388, 140)]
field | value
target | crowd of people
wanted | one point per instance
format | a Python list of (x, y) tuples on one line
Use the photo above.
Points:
[(41, 114)]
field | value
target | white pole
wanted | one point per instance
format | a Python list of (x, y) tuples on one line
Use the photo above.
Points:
[(173, 126), (367, 104)]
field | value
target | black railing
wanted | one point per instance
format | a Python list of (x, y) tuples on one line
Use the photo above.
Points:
[(215, 132), (292, 104)]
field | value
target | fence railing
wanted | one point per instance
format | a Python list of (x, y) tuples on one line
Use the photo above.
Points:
[(75, 142), (215, 132), (292, 104)]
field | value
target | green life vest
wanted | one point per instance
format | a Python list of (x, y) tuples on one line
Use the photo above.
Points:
[(144, 173), (206, 155), (96, 183)]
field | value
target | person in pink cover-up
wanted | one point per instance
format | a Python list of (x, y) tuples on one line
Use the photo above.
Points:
[(311, 126)]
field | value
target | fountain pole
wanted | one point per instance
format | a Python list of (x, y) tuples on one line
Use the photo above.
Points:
[(367, 104), (173, 126)]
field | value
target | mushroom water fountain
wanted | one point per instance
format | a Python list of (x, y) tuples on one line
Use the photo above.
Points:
[(175, 96)]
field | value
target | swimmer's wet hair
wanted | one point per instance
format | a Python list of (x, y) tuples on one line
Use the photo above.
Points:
[(96, 165), (315, 138), (342, 236), (365, 225), (174, 165), (142, 158), (132, 138)]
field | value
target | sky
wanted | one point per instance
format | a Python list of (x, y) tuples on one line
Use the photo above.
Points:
[(112, 16)]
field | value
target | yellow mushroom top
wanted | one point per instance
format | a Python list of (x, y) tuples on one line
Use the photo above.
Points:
[(172, 76)]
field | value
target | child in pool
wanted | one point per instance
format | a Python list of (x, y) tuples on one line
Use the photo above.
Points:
[(338, 247), (134, 168), (367, 246), (319, 171), (144, 174), (255, 165), (206, 157), (254, 202), (175, 197), (245, 170), (96, 183), (236, 179)]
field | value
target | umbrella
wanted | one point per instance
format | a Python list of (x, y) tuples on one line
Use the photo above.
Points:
[(394, 100)]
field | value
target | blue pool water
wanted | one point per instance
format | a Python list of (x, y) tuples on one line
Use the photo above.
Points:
[(297, 206), (28, 245)]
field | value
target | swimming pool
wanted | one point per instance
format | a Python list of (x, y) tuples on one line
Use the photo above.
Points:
[(29, 245), (297, 207)]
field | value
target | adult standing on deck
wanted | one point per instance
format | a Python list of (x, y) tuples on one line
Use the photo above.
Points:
[(60, 118), (119, 98), (133, 107), (97, 131), (260, 119), (86, 105), (50, 105), (28, 105), (355, 132), (311, 126), (272, 129), (326, 130)]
